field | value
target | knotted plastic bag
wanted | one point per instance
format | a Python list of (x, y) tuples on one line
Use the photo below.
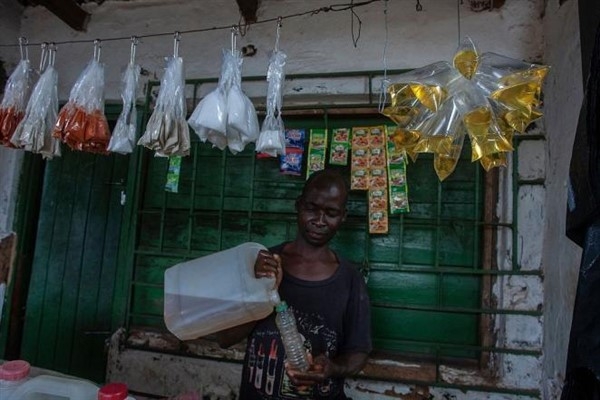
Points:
[(272, 135), (16, 94), (34, 132), (226, 117), (167, 132), (81, 123), (123, 137), (209, 119)]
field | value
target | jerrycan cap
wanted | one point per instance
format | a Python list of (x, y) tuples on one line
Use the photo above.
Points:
[(113, 391), (14, 370)]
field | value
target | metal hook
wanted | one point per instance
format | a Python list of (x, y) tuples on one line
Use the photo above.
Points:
[(134, 42), (43, 56), (243, 28), (234, 33), (23, 48), (279, 19), (51, 54), (97, 48), (176, 39)]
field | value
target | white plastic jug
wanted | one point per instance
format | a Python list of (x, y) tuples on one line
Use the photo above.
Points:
[(217, 292), (50, 387)]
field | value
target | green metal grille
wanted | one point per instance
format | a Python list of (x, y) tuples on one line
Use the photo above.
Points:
[(429, 279)]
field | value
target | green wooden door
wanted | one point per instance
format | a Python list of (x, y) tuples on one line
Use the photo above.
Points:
[(69, 304)]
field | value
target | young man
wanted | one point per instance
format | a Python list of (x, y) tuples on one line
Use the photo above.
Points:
[(329, 299)]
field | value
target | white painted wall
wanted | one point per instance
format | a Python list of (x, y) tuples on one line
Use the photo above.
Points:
[(522, 29)]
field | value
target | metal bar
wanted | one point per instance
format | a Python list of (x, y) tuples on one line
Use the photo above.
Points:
[(388, 267), (458, 310), (515, 208), (192, 195)]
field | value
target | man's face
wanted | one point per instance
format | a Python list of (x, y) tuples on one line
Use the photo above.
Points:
[(320, 213)]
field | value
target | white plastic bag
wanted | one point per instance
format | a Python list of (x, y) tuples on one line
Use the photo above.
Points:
[(167, 132), (16, 94), (272, 135), (123, 137), (81, 123), (34, 132)]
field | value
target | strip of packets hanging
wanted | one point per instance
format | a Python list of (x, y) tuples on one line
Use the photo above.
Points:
[(398, 187), (369, 172), (317, 148)]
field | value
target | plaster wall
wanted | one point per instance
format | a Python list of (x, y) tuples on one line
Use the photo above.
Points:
[(10, 28), (323, 43)]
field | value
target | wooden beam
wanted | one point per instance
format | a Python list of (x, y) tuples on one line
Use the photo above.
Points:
[(248, 9), (69, 12)]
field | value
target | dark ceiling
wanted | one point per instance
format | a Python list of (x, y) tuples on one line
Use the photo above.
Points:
[(71, 12)]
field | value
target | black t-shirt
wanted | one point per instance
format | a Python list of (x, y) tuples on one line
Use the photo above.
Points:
[(332, 315)]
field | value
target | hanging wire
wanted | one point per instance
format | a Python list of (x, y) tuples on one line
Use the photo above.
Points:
[(384, 80), (97, 48), (354, 15), (134, 42), (23, 48), (419, 7), (325, 9), (277, 34), (176, 39)]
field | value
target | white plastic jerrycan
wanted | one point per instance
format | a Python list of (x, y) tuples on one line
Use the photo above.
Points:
[(217, 292), (50, 387)]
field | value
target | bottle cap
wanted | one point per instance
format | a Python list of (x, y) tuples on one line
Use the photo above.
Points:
[(281, 306), (14, 370), (113, 391)]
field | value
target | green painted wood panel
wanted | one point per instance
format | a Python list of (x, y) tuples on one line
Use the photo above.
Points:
[(69, 306)]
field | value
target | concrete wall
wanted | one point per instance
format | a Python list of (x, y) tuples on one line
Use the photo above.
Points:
[(560, 256), (534, 30)]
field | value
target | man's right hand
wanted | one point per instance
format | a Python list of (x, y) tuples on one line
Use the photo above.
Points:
[(268, 265)]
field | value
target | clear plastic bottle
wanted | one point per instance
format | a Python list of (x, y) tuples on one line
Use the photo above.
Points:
[(13, 374), (291, 338)]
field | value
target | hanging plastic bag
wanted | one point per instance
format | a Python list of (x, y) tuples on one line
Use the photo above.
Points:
[(226, 117), (242, 121), (16, 94), (123, 137), (272, 135), (34, 132), (167, 132), (81, 123), (209, 119)]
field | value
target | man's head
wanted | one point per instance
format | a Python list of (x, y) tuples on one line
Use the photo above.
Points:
[(322, 206)]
